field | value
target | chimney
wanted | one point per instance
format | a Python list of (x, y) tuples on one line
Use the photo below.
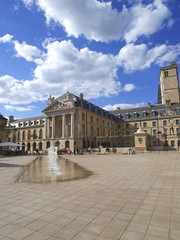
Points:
[(81, 96)]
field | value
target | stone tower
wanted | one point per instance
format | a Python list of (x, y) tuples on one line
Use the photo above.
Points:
[(169, 84)]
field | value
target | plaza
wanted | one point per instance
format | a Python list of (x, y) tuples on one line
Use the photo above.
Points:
[(128, 197)]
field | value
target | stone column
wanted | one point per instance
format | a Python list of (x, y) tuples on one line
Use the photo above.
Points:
[(63, 125), (53, 126), (45, 131), (72, 125)]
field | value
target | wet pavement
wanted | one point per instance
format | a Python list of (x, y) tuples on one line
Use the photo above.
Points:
[(128, 197), (40, 171)]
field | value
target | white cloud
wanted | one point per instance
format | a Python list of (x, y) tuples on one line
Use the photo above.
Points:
[(123, 106), (99, 21), (137, 57), (18, 108), (29, 52), (63, 67), (6, 38), (129, 87)]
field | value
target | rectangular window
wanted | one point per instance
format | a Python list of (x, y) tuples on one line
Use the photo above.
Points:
[(154, 124), (177, 131), (164, 123), (177, 122), (83, 129), (97, 120), (127, 125), (165, 131), (144, 124), (91, 131), (83, 116), (135, 125), (127, 132), (98, 132), (154, 132), (172, 143), (91, 119), (165, 73)]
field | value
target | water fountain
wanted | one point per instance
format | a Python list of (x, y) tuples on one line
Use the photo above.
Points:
[(52, 159)]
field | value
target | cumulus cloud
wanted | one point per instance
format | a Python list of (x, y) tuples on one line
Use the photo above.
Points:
[(99, 21), (62, 66), (29, 52), (123, 106), (137, 57), (6, 38)]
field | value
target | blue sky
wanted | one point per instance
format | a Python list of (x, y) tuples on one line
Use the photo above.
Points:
[(111, 51)]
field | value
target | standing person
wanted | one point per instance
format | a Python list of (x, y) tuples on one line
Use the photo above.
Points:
[(114, 150), (37, 150)]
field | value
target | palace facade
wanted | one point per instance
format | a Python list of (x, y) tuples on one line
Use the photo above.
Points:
[(70, 121)]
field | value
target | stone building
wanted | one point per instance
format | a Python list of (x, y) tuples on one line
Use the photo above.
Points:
[(4, 130), (70, 121)]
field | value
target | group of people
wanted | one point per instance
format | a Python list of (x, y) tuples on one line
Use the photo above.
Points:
[(114, 150)]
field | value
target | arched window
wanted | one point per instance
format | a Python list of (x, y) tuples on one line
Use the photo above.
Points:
[(29, 134), (23, 135), (34, 146), (28, 146), (34, 134), (40, 146), (48, 144), (19, 134), (40, 134)]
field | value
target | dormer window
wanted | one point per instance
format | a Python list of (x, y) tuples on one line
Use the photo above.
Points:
[(135, 115), (144, 113), (127, 115), (153, 113)]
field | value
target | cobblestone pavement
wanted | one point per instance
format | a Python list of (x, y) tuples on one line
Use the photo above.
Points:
[(129, 197)]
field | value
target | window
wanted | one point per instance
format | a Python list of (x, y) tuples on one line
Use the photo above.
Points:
[(135, 115), (154, 124), (127, 132), (91, 119), (165, 73), (23, 136), (127, 125), (172, 143), (83, 116), (18, 138), (83, 129), (103, 132), (177, 122), (154, 132), (98, 132), (127, 115), (108, 133), (144, 114), (153, 113), (103, 122), (165, 131), (97, 120), (144, 124), (119, 126), (40, 134), (135, 125), (34, 134), (177, 131), (108, 124), (91, 131), (164, 123)]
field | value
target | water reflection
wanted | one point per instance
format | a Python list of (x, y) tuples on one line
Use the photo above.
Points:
[(39, 171)]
